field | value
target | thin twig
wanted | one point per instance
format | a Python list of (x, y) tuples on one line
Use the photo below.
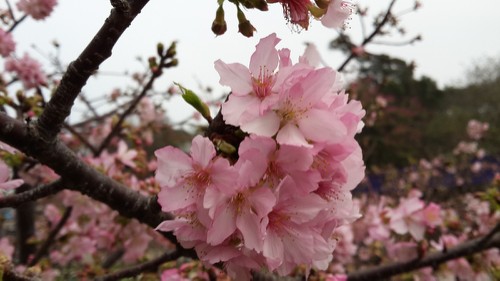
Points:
[(80, 137), (118, 126), (42, 251), (42, 191), (136, 270), (372, 35), (16, 23), (51, 120)]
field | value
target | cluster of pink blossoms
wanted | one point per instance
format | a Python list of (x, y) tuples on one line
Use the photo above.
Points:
[(278, 206), (37, 9), (7, 44), (333, 13), (28, 70)]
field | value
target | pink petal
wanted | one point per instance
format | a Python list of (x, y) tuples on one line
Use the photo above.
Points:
[(291, 135), (171, 199), (202, 151), (262, 201), (250, 228), (273, 249), (223, 225), (236, 76), (266, 125), (240, 109), (321, 126), (11, 184), (293, 158), (172, 164), (265, 55)]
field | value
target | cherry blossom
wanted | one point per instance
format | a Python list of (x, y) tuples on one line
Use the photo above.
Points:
[(27, 70), (37, 9), (5, 183), (7, 44)]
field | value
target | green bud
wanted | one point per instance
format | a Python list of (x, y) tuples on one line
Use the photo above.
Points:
[(244, 26), (260, 5), (225, 147), (160, 48), (247, 4), (191, 98), (323, 4), (172, 51), (152, 63), (219, 25)]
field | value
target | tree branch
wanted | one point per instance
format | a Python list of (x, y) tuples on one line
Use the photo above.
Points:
[(136, 270), (465, 249), (99, 49), (31, 194), (79, 176), (42, 251)]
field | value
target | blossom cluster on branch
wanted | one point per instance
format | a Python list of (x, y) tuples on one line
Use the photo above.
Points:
[(293, 176)]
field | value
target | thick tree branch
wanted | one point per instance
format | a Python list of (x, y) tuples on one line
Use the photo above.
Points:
[(372, 35), (136, 270), (25, 227), (31, 194), (99, 49), (433, 259), (44, 248)]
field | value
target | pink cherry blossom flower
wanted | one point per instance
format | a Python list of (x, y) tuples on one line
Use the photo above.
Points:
[(275, 163), (337, 13), (295, 11), (406, 218), (37, 9), (7, 44), (27, 70), (299, 115), (242, 208), (184, 179), (251, 87), (6, 248), (286, 226), (5, 183)]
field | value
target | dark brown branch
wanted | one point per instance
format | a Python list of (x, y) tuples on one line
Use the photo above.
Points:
[(42, 251), (25, 227), (433, 259), (99, 49), (372, 35), (88, 104), (136, 270), (113, 258), (31, 195)]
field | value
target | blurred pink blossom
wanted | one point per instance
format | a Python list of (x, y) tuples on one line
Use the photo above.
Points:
[(37, 9), (27, 70), (7, 44)]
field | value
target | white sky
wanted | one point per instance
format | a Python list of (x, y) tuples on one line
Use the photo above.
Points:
[(455, 33)]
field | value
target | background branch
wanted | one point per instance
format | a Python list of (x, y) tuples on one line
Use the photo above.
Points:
[(42, 251), (99, 49), (136, 270), (465, 249), (31, 194)]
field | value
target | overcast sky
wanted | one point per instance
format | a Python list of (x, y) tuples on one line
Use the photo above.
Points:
[(455, 33)]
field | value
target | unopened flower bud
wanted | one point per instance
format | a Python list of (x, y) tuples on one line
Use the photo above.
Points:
[(323, 4), (244, 26), (219, 25), (261, 5), (160, 48), (152, 62), (249, 4), (172, 51)]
